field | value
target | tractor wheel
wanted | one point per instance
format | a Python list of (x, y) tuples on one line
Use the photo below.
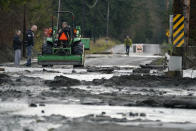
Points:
[(47, 66), (78, 48), (83, 59), (44, 66), (46, 49)]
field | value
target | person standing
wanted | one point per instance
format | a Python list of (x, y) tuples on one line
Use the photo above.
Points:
[(30, 43), (128, 44), (17, 44)]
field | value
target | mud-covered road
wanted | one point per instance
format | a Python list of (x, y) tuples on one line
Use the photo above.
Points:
[(109, 94)]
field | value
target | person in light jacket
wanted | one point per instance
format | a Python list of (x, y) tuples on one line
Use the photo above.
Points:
[(128, 43)]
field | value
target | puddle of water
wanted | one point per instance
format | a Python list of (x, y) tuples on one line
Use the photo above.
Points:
[(74, 111), (63, 72), (146, 55), (38, 126), (89, 77), (189, 73), (123, 72), (164, 92), (81, 77), (97, 89), (137, 91), (39, 70), (79, 73), (119, 66)]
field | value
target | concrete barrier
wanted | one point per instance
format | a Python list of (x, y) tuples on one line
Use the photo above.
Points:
[(149, 48)]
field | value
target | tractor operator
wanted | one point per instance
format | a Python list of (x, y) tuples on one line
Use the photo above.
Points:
[(128, 44), (65, 32)]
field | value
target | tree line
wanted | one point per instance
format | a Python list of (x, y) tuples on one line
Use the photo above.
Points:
[(145, 20)]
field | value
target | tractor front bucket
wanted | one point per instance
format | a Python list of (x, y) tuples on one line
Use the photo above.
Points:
[(60, 60)]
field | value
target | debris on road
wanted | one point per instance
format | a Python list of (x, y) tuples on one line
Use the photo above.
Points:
[(4, 79), (32, 105), (2, 69), (145, 81), (107, 70), (62, 81)]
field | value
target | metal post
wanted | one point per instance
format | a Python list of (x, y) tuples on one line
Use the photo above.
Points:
[(59, 8), (24, 32), (171, 29)]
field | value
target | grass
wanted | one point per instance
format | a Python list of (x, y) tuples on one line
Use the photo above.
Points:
[(101, 45), (160, 61), (166, 48)]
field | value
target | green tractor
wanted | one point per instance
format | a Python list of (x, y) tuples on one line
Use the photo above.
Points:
[(64, 47)]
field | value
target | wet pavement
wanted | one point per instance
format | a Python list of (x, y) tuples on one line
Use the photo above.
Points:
[(109, 93)]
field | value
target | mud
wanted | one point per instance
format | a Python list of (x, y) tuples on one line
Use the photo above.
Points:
[(27, 81), (146, 88), (114, 92), (87, 123), (4, 79), (62, 81), (65, 92), (50, 71), (107, 70), (141, 71), (2, 69), (11, 94), (145, 81)]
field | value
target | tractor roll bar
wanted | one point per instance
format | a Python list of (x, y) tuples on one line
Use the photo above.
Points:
[(69, 13)]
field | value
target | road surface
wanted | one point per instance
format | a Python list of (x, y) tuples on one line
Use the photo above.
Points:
[(118, 58), (106, 95)]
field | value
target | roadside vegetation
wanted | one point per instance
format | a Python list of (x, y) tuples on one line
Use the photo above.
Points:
[(101, 45), (166, 48)]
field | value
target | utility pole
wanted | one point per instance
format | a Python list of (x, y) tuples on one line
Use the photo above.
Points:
[(108, 20), (59, 8), (186, 27), (187, 20), (24, 31), (183, 7)]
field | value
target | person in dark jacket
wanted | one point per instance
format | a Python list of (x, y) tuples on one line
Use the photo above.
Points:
[(17, 48), (30, 43)]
